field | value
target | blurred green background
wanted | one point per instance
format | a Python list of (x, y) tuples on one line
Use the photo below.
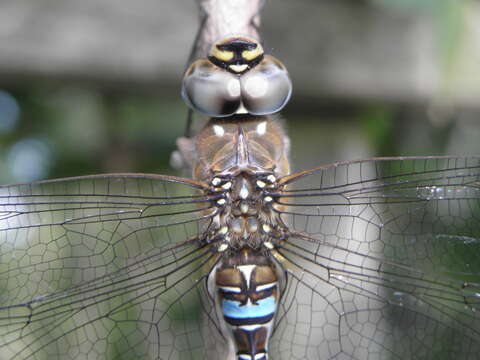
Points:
[(93, 87)]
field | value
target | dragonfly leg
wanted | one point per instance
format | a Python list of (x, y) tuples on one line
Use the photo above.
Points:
[(188, 126), (184, 157)]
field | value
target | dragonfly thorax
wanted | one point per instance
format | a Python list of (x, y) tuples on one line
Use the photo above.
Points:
[(252, 145), (245, 217)]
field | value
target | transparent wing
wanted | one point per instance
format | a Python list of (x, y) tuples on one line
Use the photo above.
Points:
[(383, 260), (104, 267)]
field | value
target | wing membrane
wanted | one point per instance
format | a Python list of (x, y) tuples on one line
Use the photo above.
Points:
[(103, 266), (382, 261), (383, 255)]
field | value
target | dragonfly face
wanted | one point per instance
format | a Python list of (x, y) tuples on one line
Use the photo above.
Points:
[(236, 78), (236, 55)]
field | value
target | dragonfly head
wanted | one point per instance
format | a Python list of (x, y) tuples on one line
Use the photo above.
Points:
[(237, 77), (236, 54)]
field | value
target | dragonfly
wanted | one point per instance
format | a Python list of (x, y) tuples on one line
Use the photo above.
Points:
[(367, 259)]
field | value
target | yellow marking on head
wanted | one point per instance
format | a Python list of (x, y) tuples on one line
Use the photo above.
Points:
[(221, 55), (238, 68), (252, 54)]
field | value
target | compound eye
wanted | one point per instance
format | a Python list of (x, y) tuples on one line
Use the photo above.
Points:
[(266, 88), (211, 90)]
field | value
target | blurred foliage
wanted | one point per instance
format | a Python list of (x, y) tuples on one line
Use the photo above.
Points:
[(89, 132), (448, 18), (378, 127)]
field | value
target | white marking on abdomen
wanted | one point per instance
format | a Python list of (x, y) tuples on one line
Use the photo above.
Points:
[(250, 327), (246, 270), (230, 289), (266, 286)]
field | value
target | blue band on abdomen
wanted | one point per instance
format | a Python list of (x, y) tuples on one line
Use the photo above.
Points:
[(264, 307)]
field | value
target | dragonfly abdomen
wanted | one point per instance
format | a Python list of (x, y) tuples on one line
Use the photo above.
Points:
[(247, 292)]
